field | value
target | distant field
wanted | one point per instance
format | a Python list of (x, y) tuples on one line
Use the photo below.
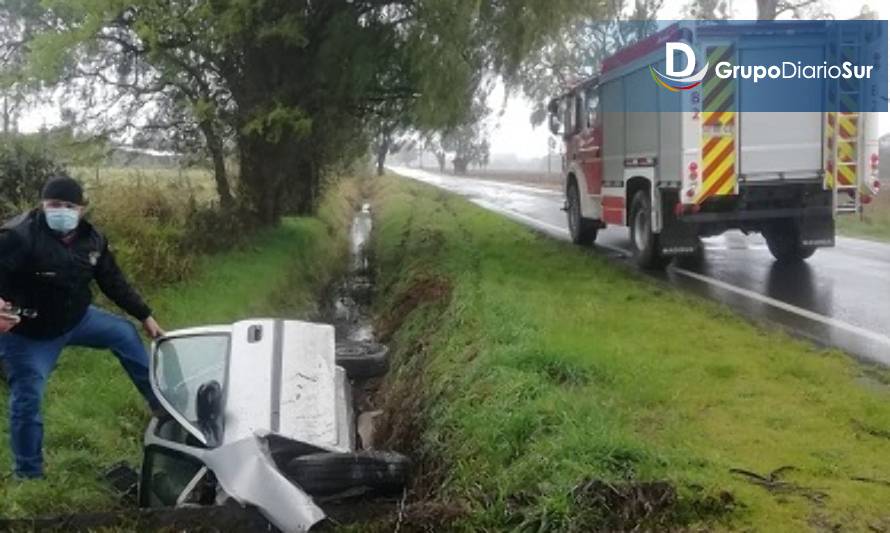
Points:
[(196, 182)]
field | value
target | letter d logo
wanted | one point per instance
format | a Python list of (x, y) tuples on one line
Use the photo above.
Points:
[(671, 50), (679, 80)]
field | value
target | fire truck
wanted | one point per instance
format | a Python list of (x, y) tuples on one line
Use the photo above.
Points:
[(696, 164)]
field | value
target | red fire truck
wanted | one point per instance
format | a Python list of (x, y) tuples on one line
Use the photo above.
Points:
[(694, 167)]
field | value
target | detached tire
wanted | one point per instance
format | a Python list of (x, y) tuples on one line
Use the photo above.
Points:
[(363, 360), (328, 474), (783, 241), (647, 251), (583, 230)]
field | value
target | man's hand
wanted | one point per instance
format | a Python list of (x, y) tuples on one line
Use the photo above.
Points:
[(152, 329), (7, 322)]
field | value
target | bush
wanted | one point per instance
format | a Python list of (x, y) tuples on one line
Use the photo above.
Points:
[(145, 226), (25, 165), (210, 229)]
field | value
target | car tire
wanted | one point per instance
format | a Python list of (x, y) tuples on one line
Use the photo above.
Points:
[(329, 474), (646, 248), (363, 360), (583, 230), (783, 241)]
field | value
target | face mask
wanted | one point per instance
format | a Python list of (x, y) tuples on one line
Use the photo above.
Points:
[(62, 219)]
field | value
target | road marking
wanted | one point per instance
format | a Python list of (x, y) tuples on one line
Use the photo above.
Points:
[(816, 317)]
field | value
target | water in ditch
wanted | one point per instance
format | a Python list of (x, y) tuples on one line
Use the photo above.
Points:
[(352, 298)]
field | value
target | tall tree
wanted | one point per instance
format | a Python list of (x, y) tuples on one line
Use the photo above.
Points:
[(575, 53), (290, 81), (773, 9)]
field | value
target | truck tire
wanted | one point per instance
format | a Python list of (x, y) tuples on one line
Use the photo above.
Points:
[(647, 252), (363, 360), (328, 474), (583, 230), (783, 241)]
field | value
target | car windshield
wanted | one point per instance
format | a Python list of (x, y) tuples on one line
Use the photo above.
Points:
[(184, 364)]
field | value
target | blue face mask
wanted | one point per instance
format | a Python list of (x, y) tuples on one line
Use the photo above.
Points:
[(62, 219)]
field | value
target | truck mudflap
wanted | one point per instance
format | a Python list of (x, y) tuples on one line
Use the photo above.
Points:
[(677, 237), (816, 231)]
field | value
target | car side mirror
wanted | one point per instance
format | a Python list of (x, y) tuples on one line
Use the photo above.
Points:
[(208, 407)]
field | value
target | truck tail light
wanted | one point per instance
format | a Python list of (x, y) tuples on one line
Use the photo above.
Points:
[(690, 193), (875, 162), (693, 170)]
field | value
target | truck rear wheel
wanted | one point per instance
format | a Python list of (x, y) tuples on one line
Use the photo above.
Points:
[(647, 252), (783, 241), (583, 230)]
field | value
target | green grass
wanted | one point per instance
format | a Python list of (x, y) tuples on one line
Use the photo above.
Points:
[(874, 222), (548, 366), (93, 415)]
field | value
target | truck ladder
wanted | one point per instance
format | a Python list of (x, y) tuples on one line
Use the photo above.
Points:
[(844, 129)]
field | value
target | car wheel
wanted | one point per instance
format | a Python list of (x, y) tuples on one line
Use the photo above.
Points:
[(328, 474), (583, 230), (647, 252), (783, 242), (363, 360)]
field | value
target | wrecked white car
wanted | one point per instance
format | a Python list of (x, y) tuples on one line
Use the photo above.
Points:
[(260, 413)]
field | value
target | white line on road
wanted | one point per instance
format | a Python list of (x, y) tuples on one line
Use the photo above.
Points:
[(519, 217), (806, 313)]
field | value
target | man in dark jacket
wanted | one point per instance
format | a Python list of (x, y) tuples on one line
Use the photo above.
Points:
[(48, 257)]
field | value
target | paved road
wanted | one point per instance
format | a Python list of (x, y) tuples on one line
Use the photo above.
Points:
[(840, 297)]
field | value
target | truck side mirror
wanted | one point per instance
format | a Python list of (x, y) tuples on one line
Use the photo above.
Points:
[(208, 407), (555, 125)]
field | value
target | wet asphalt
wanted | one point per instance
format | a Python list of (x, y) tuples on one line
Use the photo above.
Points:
[(839, 298)]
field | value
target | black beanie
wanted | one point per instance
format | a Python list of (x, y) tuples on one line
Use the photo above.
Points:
[(63, 188)]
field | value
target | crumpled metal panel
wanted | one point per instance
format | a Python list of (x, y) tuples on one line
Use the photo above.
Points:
[(246, 472)]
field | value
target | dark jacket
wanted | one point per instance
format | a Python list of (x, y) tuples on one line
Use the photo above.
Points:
[(40, 271)]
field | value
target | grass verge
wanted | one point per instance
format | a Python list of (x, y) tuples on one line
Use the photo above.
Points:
[(94, 417), (543, 389), (873, 224)]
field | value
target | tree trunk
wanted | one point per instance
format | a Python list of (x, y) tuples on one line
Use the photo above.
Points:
[(460, 166), (766, 9), (442, 160), (382, 151), (263, 167), (217, 155)]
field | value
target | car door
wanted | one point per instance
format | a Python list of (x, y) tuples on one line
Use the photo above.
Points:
[(180, 366)]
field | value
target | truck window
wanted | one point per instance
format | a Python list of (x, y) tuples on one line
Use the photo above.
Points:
[(570, 123), (592, 104)]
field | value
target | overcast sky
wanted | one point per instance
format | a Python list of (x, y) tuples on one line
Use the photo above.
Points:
[(513, 132)]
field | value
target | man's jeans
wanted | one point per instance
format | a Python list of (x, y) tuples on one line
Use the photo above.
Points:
[(29, 363)]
